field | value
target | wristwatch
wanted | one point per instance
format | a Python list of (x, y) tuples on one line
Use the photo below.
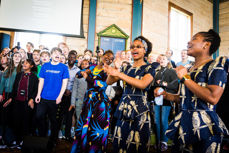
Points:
[(185, 77)]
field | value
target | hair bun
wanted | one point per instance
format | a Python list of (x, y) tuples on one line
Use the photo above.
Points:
[(216, 40), (212, 32)]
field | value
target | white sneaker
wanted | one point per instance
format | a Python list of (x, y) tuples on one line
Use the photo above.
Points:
[(60, 136), (72, 132)]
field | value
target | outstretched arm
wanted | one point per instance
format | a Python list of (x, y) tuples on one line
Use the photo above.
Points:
[(138, 83)]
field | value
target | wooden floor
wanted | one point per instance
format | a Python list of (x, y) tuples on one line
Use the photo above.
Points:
[(65, 147)]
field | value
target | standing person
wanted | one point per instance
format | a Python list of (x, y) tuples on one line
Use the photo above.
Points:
[(6, 86), (63, 59), (79, 60), (123, 55), (62, 45), (101, 52), (93, 125), (52, 85), (79, 90), (184, 58), (23, 54), (88, 52), (94, 61), (44, 58), (169, 54), (152, 58), (65, 51), (65, 106), (37, 57), (23, 95), (132, 131), (129, 57), (165, 78), (3, 64), (29, 47), (198, 127), (5, 51)]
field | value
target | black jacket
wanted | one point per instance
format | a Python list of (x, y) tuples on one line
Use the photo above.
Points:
[(32, 85)]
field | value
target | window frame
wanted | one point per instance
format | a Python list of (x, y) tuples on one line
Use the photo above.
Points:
[(172, 5)]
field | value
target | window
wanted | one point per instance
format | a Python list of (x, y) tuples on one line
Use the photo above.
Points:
[(180, 30), (48, 40)]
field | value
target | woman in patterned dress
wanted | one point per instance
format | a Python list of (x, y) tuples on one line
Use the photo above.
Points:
[(92, 128), (132, 131), (197, 127)]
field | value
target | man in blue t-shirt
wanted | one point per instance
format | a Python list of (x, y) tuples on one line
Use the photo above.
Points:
[(52, 85)]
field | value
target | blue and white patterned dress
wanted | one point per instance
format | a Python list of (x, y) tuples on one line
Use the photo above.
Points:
[(132, 131), (198, 124)]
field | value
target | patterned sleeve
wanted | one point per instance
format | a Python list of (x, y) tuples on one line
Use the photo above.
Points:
[(123, 69), (149, 69), (217, 74)]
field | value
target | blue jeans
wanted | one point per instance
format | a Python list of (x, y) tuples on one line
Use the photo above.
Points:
[(161, 121)]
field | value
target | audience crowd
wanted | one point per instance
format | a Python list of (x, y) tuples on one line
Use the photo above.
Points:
[(60, 93)]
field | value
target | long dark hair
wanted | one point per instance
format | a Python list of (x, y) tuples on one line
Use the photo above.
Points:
[(11, 67), (31, 62)]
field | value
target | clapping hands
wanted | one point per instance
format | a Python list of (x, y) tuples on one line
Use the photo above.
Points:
[(111, 71)]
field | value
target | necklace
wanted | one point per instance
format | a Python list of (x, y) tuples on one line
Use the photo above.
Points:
[(96, 71), (201, 64)]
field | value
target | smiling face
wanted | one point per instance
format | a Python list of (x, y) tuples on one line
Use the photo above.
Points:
[(71, 59), (137, 50), (26, 66), (101, 52), (196, 45), (17, 57), (84, 64), (108, 58)]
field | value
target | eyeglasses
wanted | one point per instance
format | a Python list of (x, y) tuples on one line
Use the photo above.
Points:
[(138, 47)]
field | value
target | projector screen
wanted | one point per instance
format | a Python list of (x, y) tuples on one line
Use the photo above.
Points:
[(42, 16)]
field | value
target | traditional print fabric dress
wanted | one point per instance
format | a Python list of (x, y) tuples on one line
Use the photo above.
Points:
[(197, 124), (92, 128), (132, 131)]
